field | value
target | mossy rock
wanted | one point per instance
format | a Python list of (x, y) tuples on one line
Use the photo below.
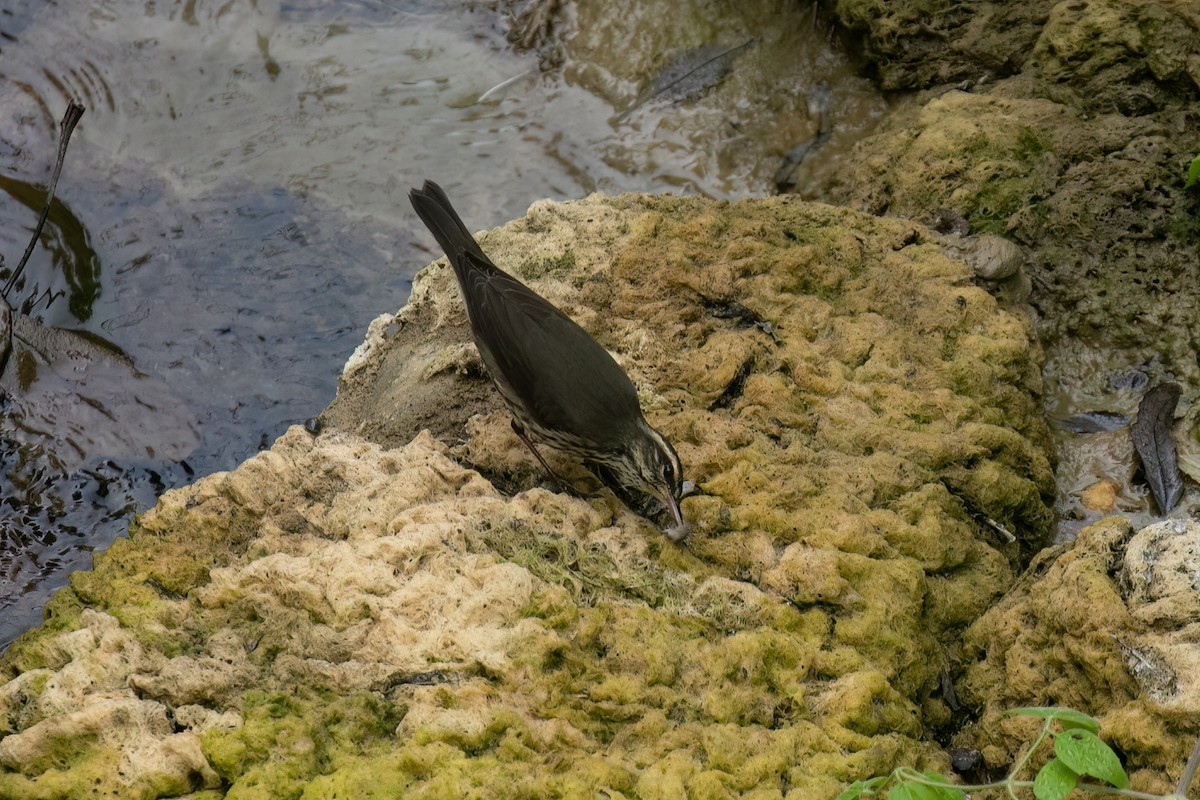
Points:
[(362, 613)]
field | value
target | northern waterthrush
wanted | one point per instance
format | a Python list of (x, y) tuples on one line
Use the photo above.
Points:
[(559, 383)]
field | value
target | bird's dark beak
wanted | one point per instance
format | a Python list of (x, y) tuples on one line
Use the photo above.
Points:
[(680, 530)]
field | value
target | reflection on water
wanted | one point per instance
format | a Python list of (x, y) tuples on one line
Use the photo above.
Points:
[(232, 214), (74, 269)]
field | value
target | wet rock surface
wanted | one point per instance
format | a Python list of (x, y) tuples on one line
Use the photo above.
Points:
[(363, 612)]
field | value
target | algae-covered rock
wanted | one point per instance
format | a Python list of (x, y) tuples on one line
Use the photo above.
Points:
[(760, 335), (1075, 150), (1107, 625), (1097, 201), (912, 44), (364, 614), (1079, 158), (1127, 56)]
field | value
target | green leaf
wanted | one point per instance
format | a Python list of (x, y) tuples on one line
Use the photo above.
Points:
[(1054, 781), (1193, 175), (1069, 717), (859, 788), (947, 790), (853, 791), (1084, 752), (923, 791)]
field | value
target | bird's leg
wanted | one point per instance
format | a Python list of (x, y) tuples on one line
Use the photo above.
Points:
[(519, 430)]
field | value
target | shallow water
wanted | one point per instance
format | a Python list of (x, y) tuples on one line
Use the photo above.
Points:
[(232, 211), (1099, 388)]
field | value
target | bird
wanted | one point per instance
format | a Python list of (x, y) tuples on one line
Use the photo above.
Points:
[(558, 382)]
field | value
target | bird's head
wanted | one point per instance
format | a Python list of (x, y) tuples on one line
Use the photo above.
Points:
[(651, 465)]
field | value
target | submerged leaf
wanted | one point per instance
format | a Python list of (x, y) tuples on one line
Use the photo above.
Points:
[(690, 74), (1090, 421), (1152, 439)]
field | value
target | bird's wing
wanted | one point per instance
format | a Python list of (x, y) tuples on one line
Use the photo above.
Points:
[(567, 380)]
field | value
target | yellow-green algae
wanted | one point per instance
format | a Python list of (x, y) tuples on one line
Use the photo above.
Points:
[(1078, 153), (337, 619), (1076, 150), (1076, 633)]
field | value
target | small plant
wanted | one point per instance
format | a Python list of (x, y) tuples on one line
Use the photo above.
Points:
[(1078, 753), (1193, 175)]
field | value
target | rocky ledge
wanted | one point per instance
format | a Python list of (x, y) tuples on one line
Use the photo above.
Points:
[(396, 606)]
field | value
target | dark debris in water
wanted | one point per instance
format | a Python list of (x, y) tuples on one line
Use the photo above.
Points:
[(1151, 433), (820, 108), (1131, 379), (1091, 422), (690, 74)]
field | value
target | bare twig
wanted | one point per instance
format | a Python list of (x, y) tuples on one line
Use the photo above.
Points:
[(65, 127), (1000, 529), (1189, 771)]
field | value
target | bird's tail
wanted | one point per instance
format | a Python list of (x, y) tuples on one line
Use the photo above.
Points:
[(434, 209)]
